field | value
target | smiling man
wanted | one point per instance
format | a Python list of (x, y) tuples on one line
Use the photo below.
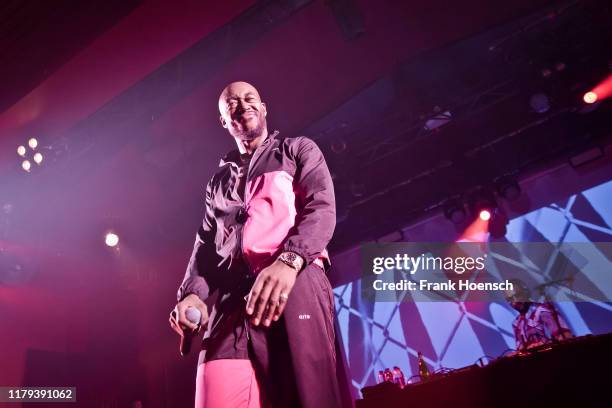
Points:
[(260, 260)]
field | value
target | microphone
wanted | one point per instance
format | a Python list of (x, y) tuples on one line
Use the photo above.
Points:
[(193, 315)]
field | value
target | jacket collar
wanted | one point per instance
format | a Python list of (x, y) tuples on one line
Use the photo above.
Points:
[(233, 157)]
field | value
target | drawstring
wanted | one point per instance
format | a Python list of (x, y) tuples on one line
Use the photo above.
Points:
[(245, 325), (246, 318)]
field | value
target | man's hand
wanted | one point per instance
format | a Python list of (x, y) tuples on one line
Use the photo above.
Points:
[(270, 292), (178, 320)]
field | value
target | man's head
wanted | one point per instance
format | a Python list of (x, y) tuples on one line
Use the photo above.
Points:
[(243, 113), (519, 296)]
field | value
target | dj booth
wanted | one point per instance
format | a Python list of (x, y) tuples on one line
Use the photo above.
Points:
[(576, 372)]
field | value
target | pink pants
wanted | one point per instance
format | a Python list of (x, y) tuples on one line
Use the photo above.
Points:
[(226, 383)]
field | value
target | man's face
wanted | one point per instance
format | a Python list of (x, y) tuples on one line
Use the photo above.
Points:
[(518, 297), (243, 113)]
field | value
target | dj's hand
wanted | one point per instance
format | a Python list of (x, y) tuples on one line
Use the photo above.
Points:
[(270, 292)]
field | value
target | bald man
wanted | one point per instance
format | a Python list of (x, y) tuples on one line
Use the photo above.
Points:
[(260, 261)]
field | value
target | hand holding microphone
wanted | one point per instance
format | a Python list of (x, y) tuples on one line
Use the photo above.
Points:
[(187, 318)]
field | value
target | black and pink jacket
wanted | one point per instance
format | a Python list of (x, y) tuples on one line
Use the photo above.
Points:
[(287, 205)]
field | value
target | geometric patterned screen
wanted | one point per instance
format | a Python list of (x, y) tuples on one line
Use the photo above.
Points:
[(457, 334)]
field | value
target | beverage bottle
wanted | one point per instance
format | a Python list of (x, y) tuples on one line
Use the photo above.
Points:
[(423, 370), (398, 377), (388, 375)]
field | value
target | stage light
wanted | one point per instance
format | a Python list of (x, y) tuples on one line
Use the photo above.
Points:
[(481, 204), (26, 165), (539, 103), (38, 158), (33, 143), (508, 188), (485, 215), (480, 201), (490, 219), (21, 150), (455, 212), (111, 239), (438, 120), (590, 97)]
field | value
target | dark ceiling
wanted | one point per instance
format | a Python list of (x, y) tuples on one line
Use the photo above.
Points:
[(484, 84), (38, 37), (341, 72)]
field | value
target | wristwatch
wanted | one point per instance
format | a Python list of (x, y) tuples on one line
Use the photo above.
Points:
[(292, 259)]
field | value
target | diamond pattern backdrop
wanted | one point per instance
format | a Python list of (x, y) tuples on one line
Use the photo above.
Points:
[(457, 334)]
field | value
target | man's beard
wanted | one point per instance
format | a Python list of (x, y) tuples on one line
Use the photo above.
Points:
[(252, 134)]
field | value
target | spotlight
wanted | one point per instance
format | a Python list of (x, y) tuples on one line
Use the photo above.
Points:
[(485, 215), (438, 120), (26, 165), (508, 188), (111, 239), (590, 97), (540, 103), (490, 218), (29, 154), (483, 205), (455, 212)]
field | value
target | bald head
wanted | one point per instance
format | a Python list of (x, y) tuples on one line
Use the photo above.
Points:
[(243, 113), (235, 89)]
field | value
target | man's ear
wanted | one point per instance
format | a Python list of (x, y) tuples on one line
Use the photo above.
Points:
[(223, 122), (265, 109)]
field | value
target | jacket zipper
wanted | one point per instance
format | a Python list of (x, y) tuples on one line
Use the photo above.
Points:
[(241, 233), (243, 198)]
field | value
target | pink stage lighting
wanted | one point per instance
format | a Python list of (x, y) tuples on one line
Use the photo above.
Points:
[(485, 215), (590, 97)]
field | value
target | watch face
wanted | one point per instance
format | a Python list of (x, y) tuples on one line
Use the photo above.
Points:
[(290, 257)]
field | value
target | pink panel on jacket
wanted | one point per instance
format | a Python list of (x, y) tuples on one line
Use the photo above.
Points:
[(271, 206)]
